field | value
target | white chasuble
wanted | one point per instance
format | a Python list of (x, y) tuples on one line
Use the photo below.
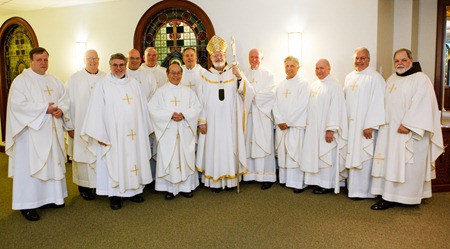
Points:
[(158, 72), (221, 155), (35, 140), (322, 162), (260, 132), (192, 78), (409, 101), (79, 88), (117, 116), (291, 106), (147, 81), (364, 98), (176, 140)]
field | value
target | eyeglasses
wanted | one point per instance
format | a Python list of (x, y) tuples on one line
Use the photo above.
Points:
[(361, 58), (174, 73), (118, 65)]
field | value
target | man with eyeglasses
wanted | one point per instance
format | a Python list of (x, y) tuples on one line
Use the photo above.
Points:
[(410, 141), (364, 99), (79, 88), (35, 123), (174, 111), (226, 97), (147, 80), (116, 128)]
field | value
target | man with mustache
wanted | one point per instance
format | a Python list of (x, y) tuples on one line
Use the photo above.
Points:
[(225, 95), (410, 141)]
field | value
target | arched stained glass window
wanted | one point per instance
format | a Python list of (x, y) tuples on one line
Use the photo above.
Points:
[(172, 31), (17, 46), (17, 38), (170, 26)]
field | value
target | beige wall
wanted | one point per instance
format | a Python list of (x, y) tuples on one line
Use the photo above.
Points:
[(331, 29)]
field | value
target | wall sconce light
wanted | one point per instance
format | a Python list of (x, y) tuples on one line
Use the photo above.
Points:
[(80, 49), (295, 44)]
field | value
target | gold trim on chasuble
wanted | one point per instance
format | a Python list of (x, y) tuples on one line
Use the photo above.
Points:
[(244, 121)]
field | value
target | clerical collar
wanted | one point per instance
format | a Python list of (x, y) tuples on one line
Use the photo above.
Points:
[(414, 69), (90, 72)]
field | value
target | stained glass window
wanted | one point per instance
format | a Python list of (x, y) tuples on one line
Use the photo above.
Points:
[(173, 30), (18, 45)]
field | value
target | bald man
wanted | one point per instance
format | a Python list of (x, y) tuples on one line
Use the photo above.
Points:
[(326, 133)]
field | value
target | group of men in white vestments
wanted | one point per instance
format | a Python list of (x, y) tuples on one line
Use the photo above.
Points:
[(225, 124)]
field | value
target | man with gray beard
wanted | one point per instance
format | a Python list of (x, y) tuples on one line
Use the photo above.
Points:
[(410, 141)]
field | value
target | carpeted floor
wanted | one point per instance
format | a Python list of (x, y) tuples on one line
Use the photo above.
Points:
[(274, 218)]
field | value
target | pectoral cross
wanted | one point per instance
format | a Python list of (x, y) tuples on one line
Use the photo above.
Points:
[(175, 101), (190, 85), (48, 90), (135, 170), (392, 88), (132, 134), (286, 93), (354, 86), (127, 98), (379, 158)]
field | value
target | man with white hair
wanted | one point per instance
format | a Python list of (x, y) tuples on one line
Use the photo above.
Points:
[(260, 133), (79, 88), (225, 95)]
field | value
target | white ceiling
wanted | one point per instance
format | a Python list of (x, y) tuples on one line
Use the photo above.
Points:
[(9, 7)]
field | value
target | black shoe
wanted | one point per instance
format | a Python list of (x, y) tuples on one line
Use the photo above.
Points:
[(216, 190), (87, 195), (52, 205), (357, 199), (298, 190), (136, 198), (169, 196), (321, 191), (187, 195), (382, 205), (115, 202), (266, 185), (30, 214), (230, 189)]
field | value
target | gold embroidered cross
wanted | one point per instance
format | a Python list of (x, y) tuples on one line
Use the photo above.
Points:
[(190, 85), (132, 134), (379, 158), (392, 88), (286, 93), (48, 91), (354, 86), (314, 93), (127, 98), (135, 170), (175, 101)]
